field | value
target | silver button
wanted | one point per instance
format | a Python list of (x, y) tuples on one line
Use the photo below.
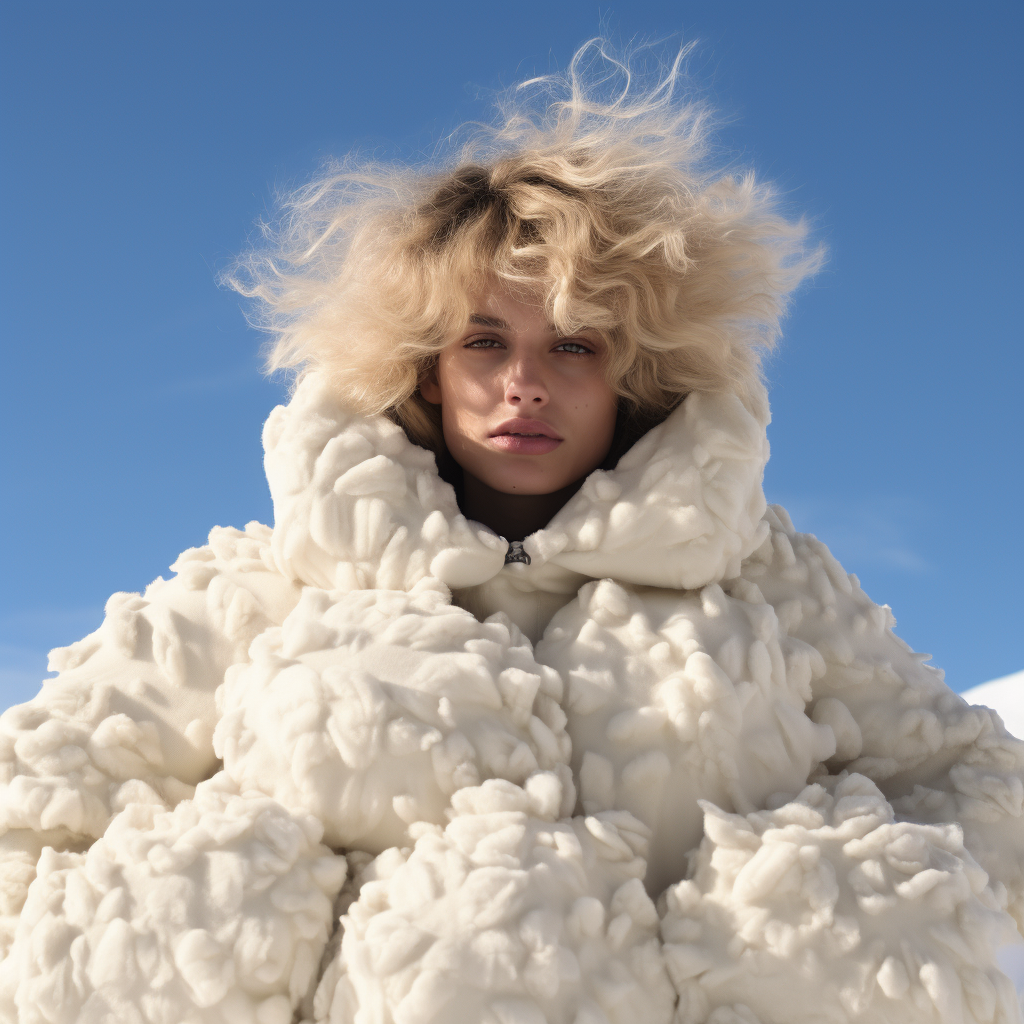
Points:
[(516, 553)]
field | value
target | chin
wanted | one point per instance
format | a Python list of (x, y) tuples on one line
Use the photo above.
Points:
[(527, 483), (531, 489)]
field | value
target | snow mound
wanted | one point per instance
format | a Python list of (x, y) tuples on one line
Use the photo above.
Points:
[(1004, 696), (676, 697), (827, 910), (370, 709), (508, 916), (214, 913)]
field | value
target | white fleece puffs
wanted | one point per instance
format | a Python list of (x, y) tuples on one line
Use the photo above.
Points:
[(936, 757), (508, 916), (370, 709), (214, 913), (827, 910), (674, 698), (831, 833)]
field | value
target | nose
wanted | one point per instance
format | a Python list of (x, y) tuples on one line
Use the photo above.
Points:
[(525, 386)]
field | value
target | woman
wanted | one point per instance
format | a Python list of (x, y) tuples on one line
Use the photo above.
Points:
[(524, 652)]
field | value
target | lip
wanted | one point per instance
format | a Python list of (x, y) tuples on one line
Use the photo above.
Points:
[(510, 436), (526, 426)]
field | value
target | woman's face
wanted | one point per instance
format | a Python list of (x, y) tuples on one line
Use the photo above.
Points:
[(524, 409)]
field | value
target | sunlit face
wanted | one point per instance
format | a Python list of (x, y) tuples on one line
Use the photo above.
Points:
[(524, 409)]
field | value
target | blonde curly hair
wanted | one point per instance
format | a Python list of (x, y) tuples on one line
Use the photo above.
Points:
[(590, 195)]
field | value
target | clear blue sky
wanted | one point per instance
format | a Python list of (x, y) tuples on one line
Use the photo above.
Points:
[(142, 141)]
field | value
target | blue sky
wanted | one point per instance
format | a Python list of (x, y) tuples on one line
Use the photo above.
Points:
[(141, 142)]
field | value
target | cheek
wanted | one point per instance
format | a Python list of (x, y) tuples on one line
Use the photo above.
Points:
[(462, 386), (598, 408), (465, 399)]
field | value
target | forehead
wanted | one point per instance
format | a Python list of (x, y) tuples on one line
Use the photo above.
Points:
[(501, 324), (499, 308)]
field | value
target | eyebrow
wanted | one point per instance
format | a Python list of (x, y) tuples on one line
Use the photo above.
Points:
[(488, 321), (493, 321)]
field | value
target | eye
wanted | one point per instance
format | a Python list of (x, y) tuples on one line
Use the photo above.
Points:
[(484, 343), (575, 348)]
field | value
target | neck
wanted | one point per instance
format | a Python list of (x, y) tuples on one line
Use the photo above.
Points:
[(512, 516)]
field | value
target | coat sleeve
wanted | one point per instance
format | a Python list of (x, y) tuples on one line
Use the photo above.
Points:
[(933, 755), (130, 715)]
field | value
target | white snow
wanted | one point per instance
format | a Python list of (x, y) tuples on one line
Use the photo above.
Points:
[(1004, 696)]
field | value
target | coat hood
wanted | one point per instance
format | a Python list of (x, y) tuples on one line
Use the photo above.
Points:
[(358, 505)]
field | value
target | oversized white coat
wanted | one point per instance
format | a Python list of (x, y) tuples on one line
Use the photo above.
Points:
[(490, 761)]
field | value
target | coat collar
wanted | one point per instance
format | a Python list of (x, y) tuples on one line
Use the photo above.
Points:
[(357, 505)]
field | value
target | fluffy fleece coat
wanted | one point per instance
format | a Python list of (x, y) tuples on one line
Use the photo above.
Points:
[(490, 771)]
